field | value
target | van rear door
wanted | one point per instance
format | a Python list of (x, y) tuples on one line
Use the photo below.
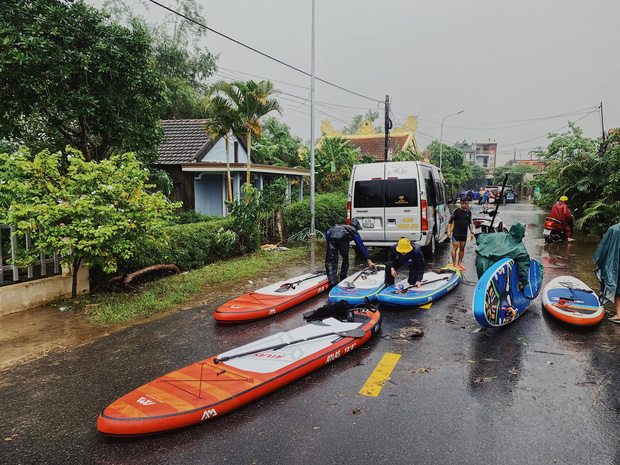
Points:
[(402, 212), (367, 201)]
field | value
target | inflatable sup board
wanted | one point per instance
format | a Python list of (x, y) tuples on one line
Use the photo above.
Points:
[(215, 386), (497, 298), (572, 301), (435, 284), (272, 299), (363, 284)]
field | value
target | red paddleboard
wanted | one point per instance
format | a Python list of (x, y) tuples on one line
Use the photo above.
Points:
[(272, 299), (215, 386)]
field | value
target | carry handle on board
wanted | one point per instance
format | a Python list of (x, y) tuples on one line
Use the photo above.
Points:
[(286, 286), (365, 272), (356, 333), (405, 289)]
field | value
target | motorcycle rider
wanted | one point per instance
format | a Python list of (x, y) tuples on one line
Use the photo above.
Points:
[(561, 213)]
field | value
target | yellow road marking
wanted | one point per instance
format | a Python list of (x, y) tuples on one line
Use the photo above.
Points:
[(428, 305), (379, 377)]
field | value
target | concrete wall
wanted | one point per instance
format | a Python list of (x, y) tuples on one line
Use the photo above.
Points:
[(21, 296), (209, 189), (218, 152)]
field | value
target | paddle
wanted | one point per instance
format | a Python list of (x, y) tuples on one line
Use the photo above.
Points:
[(501, 195), (286, 286), (365, 272), (357, 332), (405, 289)]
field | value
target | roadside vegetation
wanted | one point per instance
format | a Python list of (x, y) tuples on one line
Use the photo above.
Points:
[(588, 173), (169, 292)]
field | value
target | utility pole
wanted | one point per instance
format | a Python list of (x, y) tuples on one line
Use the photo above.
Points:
[(312, 230), (515, 155), (388, 126)]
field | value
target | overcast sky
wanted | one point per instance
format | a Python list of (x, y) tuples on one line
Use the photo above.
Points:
[(519, 69)]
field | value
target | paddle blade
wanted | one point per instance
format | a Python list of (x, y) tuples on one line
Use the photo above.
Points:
[(283, 288), (357, 332)]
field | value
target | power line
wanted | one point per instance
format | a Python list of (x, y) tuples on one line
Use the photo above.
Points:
[(259, 52)]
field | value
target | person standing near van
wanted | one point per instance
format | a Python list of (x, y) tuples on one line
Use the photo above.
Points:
[(404, 253), (338, 239), (460, 221), (485, 200)]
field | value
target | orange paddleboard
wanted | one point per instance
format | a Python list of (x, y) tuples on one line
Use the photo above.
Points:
[(215, 386), (272, 299)]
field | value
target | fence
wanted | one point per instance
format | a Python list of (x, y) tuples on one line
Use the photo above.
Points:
[(13, 270)]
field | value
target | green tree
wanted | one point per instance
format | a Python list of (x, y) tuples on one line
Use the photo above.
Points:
[(278, 147), (358, 120), (477, 177), (70, 76), (181, 65), (222, 121), (575, 167), (406, 155), (455, 170), (91, 213), (515, 178), (251, 101), (334, 160)]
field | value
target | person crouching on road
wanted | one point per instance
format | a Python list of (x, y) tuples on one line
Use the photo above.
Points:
[(404, 253), (461, 219), (338, 239)]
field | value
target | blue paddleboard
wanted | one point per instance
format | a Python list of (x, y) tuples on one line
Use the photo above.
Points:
[(498, 300), (355, 288), (435, 284)]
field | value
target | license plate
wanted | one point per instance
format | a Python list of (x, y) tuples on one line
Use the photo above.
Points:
[(368, 223), (546, 232)]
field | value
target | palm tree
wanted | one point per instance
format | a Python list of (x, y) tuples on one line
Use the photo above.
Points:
[(251, 102), (222, 121)]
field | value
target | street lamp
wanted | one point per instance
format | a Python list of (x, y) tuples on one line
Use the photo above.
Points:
[(441, 137)]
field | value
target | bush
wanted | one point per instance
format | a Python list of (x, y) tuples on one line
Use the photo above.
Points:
[(330, 209), (191, 216)]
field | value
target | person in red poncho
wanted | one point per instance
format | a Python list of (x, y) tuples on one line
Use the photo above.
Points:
[(561, 213)]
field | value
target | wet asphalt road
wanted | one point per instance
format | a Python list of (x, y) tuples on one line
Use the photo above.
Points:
[(536, 392)]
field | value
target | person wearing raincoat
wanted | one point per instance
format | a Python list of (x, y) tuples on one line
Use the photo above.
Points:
[(338, 239), (607, 259), (495, 246), (485, 200), (561, 213)]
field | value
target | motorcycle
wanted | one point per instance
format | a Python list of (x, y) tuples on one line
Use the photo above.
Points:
[(484, 225), (554, 231)]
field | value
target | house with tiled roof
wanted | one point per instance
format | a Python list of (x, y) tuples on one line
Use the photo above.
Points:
[(371, 142), (197, 165), (469, 151)]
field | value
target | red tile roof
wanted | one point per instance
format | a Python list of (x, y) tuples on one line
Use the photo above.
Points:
[(376, 145)]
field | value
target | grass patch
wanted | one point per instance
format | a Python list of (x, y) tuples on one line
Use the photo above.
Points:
[(164, 294)]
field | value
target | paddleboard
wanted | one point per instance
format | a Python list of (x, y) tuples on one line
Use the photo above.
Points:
[(272, 299), (435, 284), (572, 301), (215, 386), (497, 298), (359, 286)]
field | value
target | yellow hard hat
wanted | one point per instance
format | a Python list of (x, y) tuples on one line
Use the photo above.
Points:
[(404, 245), (564, 198)]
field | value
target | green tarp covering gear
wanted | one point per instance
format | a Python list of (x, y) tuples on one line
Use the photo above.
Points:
[(607, 259), (495, 246)]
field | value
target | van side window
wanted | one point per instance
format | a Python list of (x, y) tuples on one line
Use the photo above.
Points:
[(401, 193), (368, 194), (431, 195), (440, 194)]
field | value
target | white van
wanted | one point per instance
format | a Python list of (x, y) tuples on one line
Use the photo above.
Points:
[(399, 199)]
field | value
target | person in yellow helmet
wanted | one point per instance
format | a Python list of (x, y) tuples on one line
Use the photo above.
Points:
[(561, 213), (409, 255)]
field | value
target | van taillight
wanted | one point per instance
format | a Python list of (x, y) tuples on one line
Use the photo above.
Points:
[(424, 216), (348, 212)]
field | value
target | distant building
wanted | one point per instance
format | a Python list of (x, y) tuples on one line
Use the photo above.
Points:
[(371, 142), (469, 152), (486, 155)]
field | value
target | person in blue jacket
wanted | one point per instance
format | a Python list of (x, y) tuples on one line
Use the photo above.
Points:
[(485, 200), (338, 239), (404, 253)]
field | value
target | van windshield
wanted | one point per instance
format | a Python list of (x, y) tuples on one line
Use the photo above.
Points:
[(401, 193), (385, 193)]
